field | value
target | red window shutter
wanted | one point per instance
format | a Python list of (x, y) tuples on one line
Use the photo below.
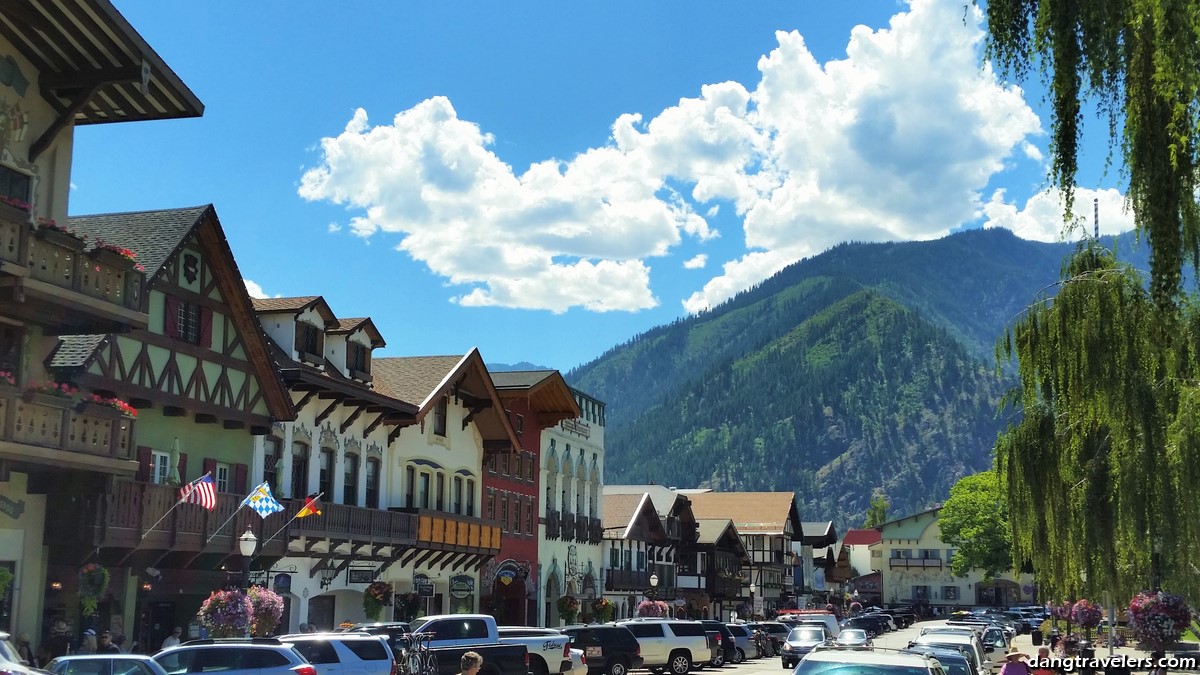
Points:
[(239, 478), (171, 317), (206, 319), (145, 463), (183, 467), (210, 467)]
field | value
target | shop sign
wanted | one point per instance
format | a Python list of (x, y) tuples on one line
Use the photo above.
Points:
[(10, 508), (283, 583), (506, 576), (461, 586), (424, 585)]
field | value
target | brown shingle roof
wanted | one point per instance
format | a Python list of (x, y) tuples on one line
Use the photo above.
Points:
[(283, 304), (618, 511), (411, 378), (348, 325), (519, 379), (152, 235), (711, 529), (751, 512)]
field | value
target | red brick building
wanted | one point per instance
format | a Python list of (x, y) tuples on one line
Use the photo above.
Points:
[(535, 400)]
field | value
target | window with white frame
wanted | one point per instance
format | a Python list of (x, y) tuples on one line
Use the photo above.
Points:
[(222, 477), (160, 467)]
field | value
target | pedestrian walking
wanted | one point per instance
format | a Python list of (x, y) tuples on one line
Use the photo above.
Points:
[(173, 639), (59, 642), (25, 650), (1014, 663), (88, 646)]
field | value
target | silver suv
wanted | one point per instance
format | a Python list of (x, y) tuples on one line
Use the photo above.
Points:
[(344, 653), (828, 659), (254, 656)]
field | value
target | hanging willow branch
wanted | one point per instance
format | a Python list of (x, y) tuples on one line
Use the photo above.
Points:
[(1106, 457)]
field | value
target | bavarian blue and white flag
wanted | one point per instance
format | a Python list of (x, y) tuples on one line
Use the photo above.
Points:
[(262, 501)]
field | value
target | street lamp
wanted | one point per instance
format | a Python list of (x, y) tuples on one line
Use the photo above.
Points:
[(651, 593), (247, 543)]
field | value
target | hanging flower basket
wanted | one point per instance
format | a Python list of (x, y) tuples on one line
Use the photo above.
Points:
[(653, 608), (603, 610), (1158, 619), (377, 596), (93, 582), (266, 606), (1086, 615), (407, 605), (568, 607), (225, 614)]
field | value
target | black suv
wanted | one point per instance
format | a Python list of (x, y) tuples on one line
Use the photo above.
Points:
[(729, 652), (611, 650)]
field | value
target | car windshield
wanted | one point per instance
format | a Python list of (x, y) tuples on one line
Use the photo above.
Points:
[(851, 634), (811, 667), (806, 635)]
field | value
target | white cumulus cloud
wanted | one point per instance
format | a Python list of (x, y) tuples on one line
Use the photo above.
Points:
[(255, 290), (897, 140), (1043, 217), (696, 263)]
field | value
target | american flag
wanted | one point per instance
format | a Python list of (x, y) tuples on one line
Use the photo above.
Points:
[(202, 491)]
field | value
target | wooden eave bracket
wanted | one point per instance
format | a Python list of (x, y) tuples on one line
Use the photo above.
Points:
[(353, 416), (304, 401), (64, 118), (327, 412)]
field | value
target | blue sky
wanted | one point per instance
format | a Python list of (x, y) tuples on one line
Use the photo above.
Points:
[(546, 180)]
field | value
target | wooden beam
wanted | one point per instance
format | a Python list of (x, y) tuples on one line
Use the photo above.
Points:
[(304, 401), (353, 416), (173, 411), (259, 430), (421, 561), (321, 564), (64, 118), (452, 559), (233, 424), (388, 563), (395, 433), (497, 446), (83, 79), (328, 411), (471, 415), (373, 425), (141, 403), (412, 553), (205, 418)]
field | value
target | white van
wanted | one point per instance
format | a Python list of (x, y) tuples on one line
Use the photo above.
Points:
[(832, 628), (975, 650)]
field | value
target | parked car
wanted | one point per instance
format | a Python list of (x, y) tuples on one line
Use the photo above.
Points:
[(607, 649), (9, 660), (799, 643), (954, 661), (871, 627), (728, 652), (826, 618), (253, 656), (671, 645), (854, 637), (832, 658), (549, 650), (344, 653), (970, 642), (743, 641), (457, 634), (103, 664)]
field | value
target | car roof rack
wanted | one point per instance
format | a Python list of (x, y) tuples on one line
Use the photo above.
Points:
[(228, 641)]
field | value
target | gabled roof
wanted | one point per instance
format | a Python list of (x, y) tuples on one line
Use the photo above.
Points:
[(862, 537), (622, 514), (156, 237), (818, 533), (366, 324), (751, 512), (82, 45), (298, 305), (424, 380), (668, 502), (547, 392)]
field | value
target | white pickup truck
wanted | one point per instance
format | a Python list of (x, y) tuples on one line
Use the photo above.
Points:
[(548, 654)]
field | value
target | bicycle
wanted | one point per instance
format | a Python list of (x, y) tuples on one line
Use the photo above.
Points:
[(416, 658)]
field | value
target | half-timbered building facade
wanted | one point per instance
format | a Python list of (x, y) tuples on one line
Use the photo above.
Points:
[(63, 63), (631, 527)]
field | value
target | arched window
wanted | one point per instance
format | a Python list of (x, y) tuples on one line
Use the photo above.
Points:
[(326, 477), (372, 483), (350, 484)]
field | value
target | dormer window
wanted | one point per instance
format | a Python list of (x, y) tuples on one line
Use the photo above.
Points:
[(358, 361), (310, 343), (187, 321)]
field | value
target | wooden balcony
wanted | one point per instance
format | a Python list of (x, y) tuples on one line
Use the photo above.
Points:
[(626, 580), (725, 588), (553, 525), (581, 529), (907, 563), (354, 525), (451, 532), (568, 526), (48, 279), (595, 531), (38, 428)]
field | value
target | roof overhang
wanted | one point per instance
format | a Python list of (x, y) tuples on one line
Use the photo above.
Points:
[(93, 66)]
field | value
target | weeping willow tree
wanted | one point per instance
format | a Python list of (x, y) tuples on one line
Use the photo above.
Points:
[(1102, 469)]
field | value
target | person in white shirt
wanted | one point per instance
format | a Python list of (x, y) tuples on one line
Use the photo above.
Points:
[(173, 639)]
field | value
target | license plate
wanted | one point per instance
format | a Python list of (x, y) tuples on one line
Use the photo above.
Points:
[(594, 652)]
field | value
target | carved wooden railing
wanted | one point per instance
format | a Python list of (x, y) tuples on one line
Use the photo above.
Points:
[(49, 421)]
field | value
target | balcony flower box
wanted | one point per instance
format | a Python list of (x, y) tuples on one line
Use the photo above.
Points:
[(49, 400), (112, 258), (59, 237), (109, 408), (14, 213)]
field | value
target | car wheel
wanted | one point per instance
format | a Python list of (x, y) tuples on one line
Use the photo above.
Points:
[(538, 667), (739, 656), (681, 663), (786, 665), (617, 667), (719, 661)]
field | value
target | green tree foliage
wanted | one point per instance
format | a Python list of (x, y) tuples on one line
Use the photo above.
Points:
[(877, 510), (1102, 468), (1106, 457), (1139, 60), (974, 520)]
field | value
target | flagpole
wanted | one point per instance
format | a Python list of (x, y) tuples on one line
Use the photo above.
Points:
[(227, 520), (164, 516), (264, 541)]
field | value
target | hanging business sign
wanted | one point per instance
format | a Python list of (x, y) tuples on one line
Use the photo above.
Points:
[(424, 585), (506, 576), (462, 586), (283, 583)]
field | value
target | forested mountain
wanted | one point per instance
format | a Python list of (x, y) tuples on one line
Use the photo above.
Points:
[(868, 366)]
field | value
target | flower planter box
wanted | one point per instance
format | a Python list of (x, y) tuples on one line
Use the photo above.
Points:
[(112, 259), (14, 214), (59, 238), (98, 410), (50, 400)]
